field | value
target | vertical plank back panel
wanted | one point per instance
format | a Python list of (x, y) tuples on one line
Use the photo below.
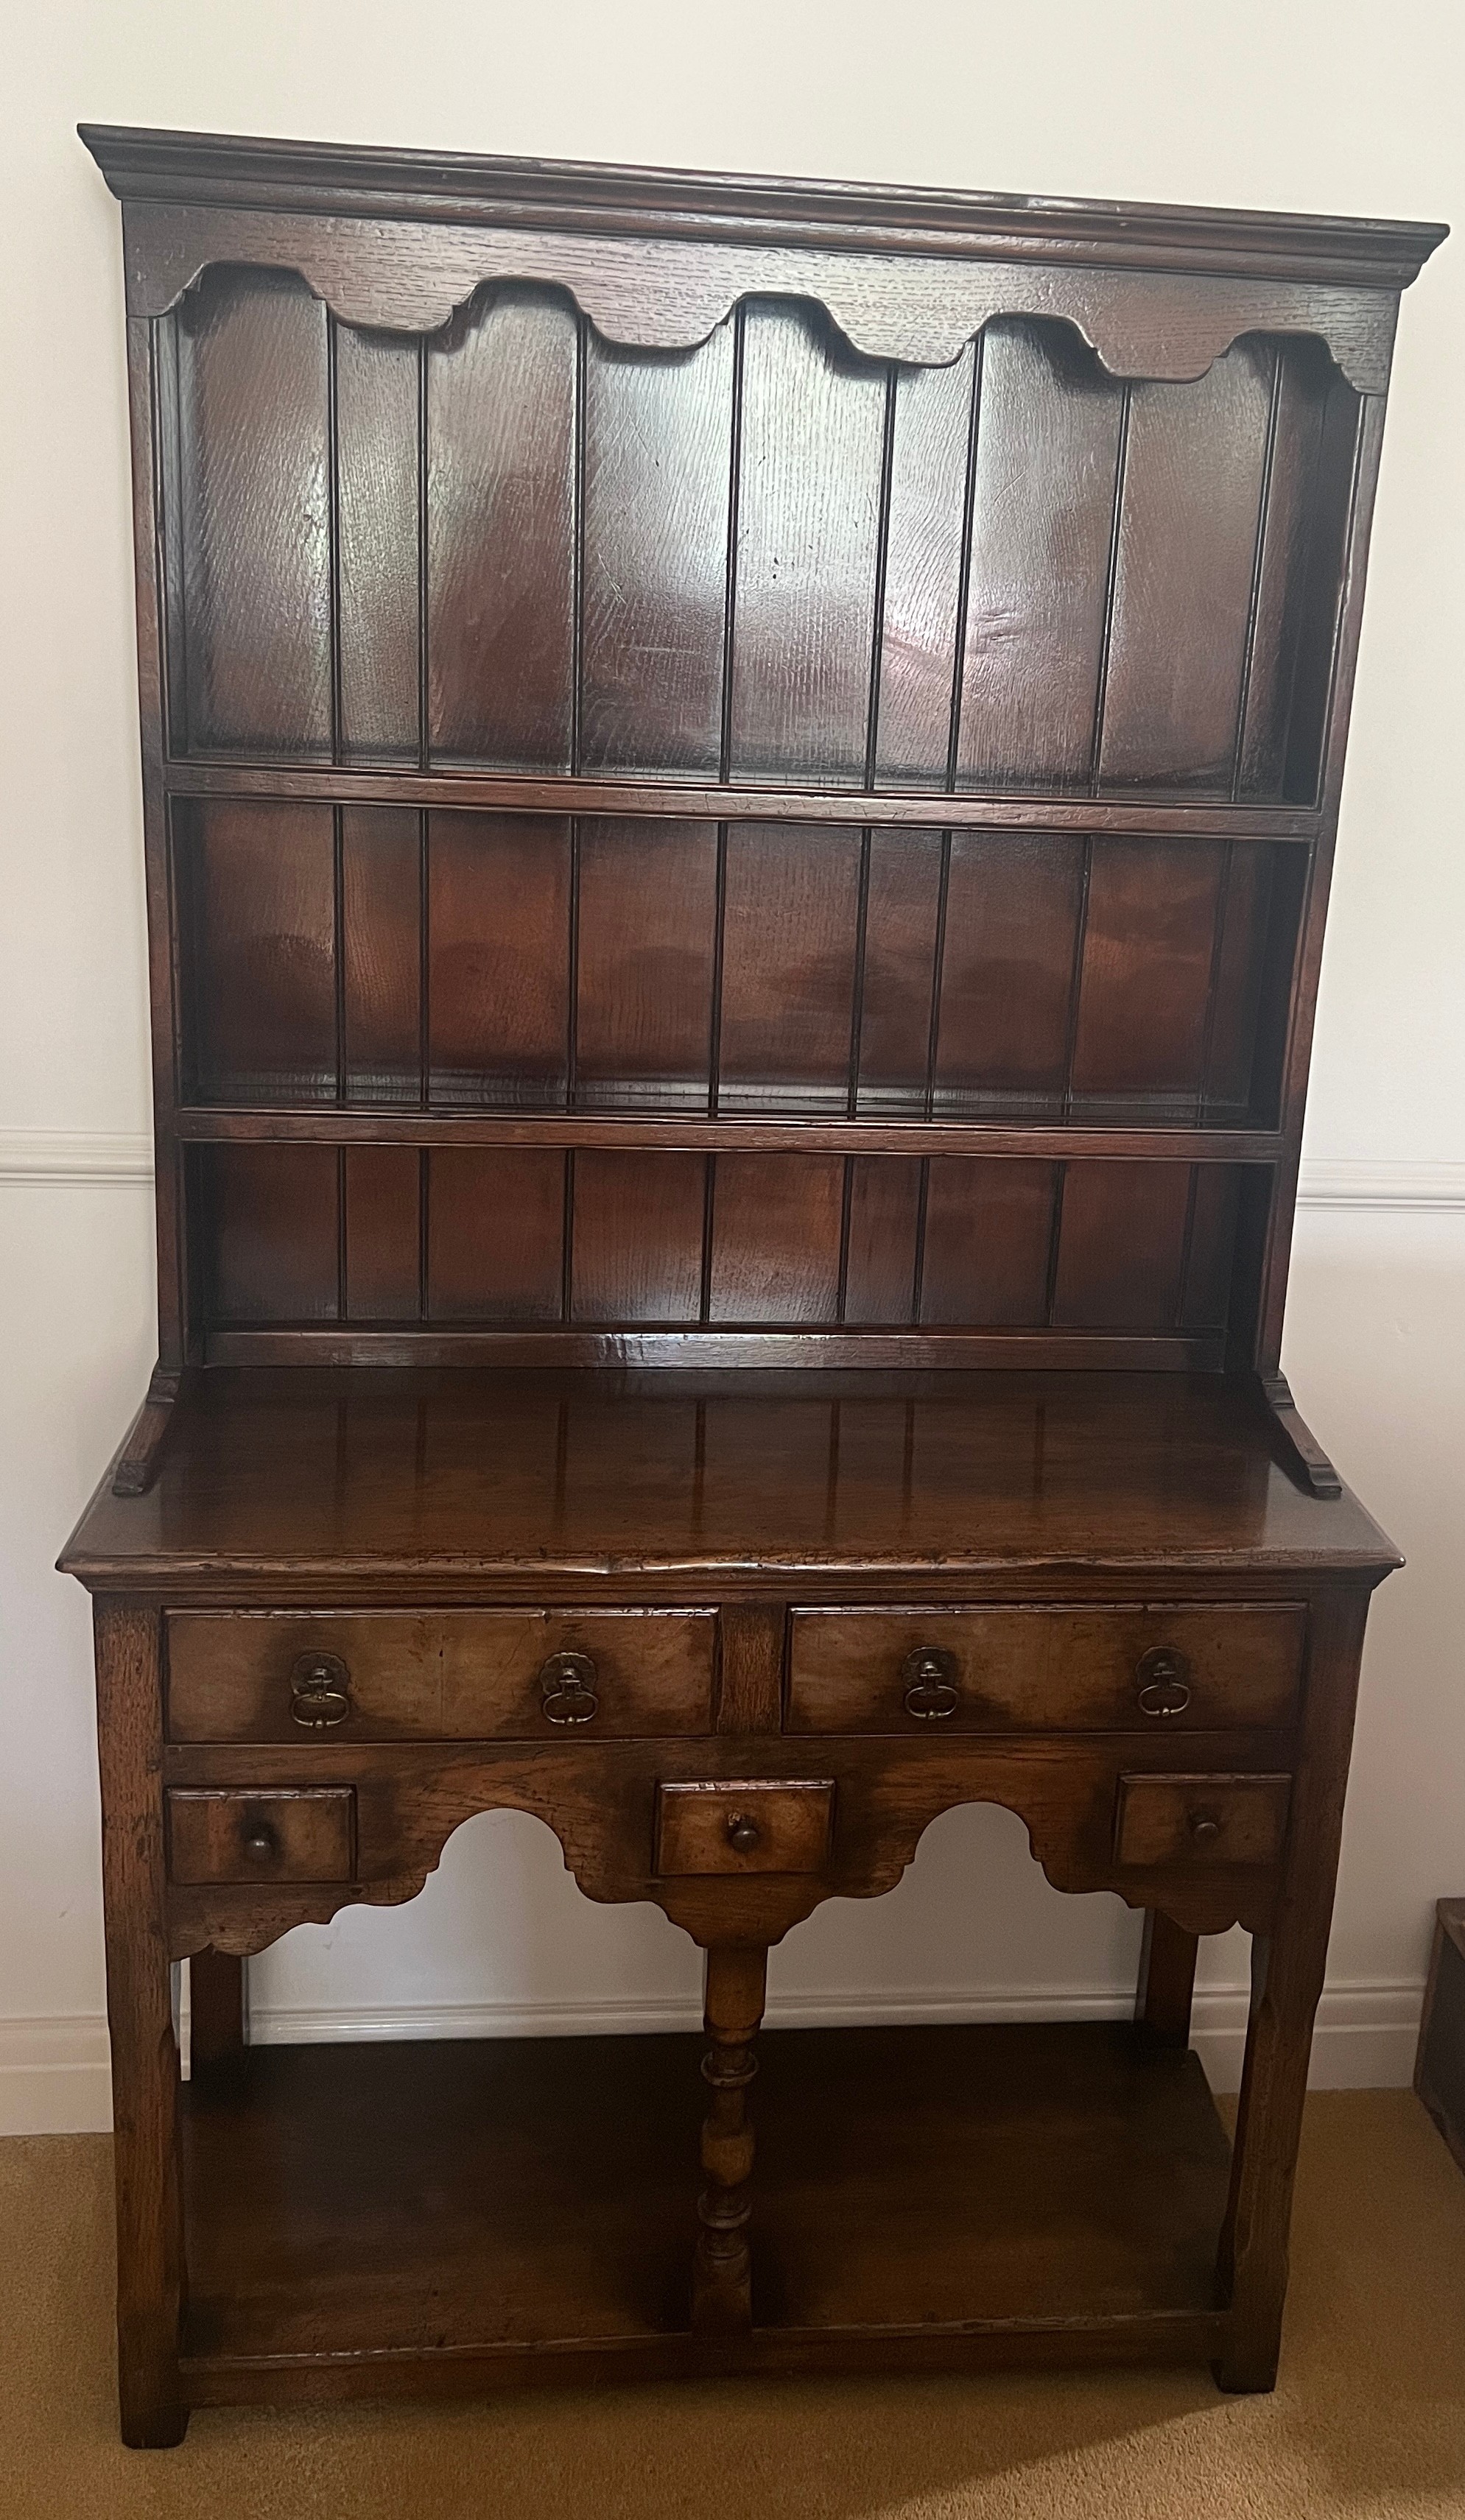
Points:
[(882, 1241), (658, 455), (647, 956), (498, 970), (501, 425), (812, 427), (788, 966), (776, 1235), (254, 479), (377, 575), (260, 969), (989, 1230), (923, 573), (382, 1233), (1122, 1245), (495, 1236), (1013, 912), (381, 905), (1149, 943), (273, 1231), (1047, 447), (897, 976), (1195, 467), (639, 1238)]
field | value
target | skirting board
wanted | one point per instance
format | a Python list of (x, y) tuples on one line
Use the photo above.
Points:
[(54, 2079)]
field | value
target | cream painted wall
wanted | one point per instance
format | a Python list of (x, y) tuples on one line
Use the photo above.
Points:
[(1324, 104)]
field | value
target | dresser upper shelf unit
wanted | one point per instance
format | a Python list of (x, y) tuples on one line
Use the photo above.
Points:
[(735, 771)]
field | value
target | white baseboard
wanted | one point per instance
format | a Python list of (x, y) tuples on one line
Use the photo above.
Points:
[(55, 2075), (54, 2079)]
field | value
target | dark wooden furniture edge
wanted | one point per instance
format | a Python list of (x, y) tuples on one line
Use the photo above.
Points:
[(1449, 1934), (1298, 1447), (223, 169), (133, 1470)]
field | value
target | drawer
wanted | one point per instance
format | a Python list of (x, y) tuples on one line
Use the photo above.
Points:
[(1201, 1820), (1177, 1666), (742, 1828), (438, 1675), (278, 1834)]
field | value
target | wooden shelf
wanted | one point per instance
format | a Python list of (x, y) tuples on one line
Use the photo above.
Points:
[(442, 2214), (337, 1125), (1180, 817)]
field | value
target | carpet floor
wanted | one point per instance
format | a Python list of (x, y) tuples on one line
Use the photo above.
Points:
[(1368, 2419)]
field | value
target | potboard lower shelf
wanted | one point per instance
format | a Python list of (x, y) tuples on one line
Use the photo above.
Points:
[(471, 2214)]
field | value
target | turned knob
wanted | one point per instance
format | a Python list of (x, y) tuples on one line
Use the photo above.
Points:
[(1203, 1826), (932, 1692), (260, 1840), (742, 1833), (1161, 1681), (319, 1692), (566, 1688)]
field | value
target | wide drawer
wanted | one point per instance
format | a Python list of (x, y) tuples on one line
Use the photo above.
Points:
[(1181, 1667), (1168, 1821), (274, 1834), (438, 1675)]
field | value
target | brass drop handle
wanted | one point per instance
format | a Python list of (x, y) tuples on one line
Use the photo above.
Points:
[(932, 1688), (319, 1692), (1203, 1826), (742, 1833), (261, 1841), (566, 1689), (1161, 1681)]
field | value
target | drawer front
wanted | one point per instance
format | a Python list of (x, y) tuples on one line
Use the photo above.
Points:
[(1201, 1820), (1179, 1668), (742, 1828), (440, 1675), (273, 1836)]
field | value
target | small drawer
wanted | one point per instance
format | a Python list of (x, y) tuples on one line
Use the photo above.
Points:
[(1161, 1821), (278, 1834), (438, 1675), (741, 1829), (1180, 1667)]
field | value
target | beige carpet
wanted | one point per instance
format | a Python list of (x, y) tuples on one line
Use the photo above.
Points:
[(1369, 2417)]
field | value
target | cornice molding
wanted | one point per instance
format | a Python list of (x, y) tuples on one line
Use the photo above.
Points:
[(236, 172)]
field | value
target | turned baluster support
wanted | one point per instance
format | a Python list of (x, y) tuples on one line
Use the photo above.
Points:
[(721, 2265)]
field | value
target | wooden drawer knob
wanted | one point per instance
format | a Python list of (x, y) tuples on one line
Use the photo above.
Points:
[(742, 1833), (566, 1689), (1161, 1681), (261, 1842), (932, 1690), (319, 1692), (1204, 1826)]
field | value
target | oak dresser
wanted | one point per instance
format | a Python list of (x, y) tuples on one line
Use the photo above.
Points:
[(740, 779)]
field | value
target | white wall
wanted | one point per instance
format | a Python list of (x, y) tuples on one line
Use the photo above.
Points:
[(1324, 104)]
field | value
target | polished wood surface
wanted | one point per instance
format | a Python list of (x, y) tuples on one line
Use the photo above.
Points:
[(740, 782), (448, 2221), (296, 1477), (465, 1675)]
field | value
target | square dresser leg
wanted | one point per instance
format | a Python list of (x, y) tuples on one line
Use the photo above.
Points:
[(1287, 1980), (140, 2018)]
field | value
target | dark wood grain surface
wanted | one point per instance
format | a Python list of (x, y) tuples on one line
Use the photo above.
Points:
[(740, 784), (594, 1474)]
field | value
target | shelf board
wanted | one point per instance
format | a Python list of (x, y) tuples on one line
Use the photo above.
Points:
[(337, 1125), (477, 2213), (1178, 818)]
